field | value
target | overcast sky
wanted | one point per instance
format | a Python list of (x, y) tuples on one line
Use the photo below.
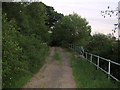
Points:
[(89, 9)]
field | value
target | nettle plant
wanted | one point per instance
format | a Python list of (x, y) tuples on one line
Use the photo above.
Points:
[(109, 12)]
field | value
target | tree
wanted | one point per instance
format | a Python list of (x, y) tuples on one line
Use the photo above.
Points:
[(36, 13), (30, 17), (53, 16), (71, 29), (102, 45), (12, 60), (24, 41)]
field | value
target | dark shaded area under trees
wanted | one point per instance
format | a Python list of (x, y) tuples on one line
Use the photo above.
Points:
[(26, 37)]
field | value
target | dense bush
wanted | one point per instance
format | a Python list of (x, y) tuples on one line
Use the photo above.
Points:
[(71, 29), (24, 42), (34, 51), (12, 53)]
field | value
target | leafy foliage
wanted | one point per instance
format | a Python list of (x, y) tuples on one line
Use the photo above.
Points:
[(12, 59), (24, 41), (53, 16), (104, 45), (108, 47), (71, 29)]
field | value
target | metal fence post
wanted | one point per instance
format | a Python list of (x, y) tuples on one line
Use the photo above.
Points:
[(109, 70), (98, 63), (86, 55), (119, 20), (79, 50), (91, 58)]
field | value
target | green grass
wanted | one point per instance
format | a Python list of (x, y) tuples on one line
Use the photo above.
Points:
[(26, 75), (86, 75), (22, 81), (56, 56)]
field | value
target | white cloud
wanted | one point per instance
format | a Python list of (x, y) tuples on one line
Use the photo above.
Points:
[(90, 9)]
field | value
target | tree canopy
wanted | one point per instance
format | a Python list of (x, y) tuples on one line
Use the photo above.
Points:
[(71, 29)]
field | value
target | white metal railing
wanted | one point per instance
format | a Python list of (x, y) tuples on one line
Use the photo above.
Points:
[(97, 64)]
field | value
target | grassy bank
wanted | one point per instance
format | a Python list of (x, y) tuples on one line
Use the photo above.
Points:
[(86, 75)]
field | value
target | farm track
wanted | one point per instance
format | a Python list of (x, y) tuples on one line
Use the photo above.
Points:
[(54, 74)]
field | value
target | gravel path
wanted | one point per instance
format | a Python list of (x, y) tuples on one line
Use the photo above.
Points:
[(54, 74)]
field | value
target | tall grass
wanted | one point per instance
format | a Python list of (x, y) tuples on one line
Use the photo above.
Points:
[(86, 75)]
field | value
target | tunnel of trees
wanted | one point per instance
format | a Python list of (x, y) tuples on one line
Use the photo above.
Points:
[(28, 30)]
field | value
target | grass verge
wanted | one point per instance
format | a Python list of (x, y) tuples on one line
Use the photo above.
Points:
[(23, 80), (86, 75), (56, 56)]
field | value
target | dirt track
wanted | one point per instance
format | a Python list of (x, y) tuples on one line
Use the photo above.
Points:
[(54, 74)]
